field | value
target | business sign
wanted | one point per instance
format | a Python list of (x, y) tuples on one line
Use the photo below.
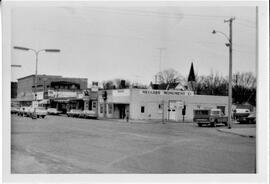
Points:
[(35, 104), (121, 92), (40, 95), (167, 92), (62, 94)]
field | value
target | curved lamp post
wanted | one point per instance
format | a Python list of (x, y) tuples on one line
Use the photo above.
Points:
[(36, 54), (230, 72)]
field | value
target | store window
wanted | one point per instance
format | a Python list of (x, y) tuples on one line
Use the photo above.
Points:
[(222, 108), (142, 109), (94, 104), (110, 108)]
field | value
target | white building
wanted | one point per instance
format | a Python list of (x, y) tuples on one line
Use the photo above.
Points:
[(147, 104)]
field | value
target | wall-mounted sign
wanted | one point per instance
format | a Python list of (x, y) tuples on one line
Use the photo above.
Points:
[(121, 92), (40, 95), (169, 92), (61, 94)]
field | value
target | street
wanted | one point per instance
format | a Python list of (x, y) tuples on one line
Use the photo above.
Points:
[(58, 144)]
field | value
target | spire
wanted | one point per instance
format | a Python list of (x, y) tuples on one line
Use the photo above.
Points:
[(191, 76)]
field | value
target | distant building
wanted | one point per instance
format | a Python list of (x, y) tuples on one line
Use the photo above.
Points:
[(46, 85), (14, 87)]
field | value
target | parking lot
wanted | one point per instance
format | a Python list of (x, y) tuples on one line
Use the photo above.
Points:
[(59, 144)]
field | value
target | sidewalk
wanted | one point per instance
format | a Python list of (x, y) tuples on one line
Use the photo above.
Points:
[(244, 132)]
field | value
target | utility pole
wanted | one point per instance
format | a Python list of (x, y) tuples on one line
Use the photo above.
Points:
[(163, 100), (230, 73)]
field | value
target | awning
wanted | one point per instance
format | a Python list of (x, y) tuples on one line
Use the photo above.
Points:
[(62, 100)]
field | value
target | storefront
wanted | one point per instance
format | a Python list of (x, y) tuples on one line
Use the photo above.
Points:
[(143, 104)]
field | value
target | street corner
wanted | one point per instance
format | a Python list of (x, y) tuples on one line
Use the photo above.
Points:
[(243, 132)]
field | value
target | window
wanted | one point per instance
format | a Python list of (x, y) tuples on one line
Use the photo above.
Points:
[(101, 108), (94, 104), (110, 108), (142, 109)]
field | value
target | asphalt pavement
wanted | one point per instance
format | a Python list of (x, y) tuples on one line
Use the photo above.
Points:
[(63, 145)]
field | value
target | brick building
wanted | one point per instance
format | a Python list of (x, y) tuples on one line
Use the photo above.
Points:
[(48, 83)]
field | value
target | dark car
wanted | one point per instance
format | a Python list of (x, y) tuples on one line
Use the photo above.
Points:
[(251, 118)]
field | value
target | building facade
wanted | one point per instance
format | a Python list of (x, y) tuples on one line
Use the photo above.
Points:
[(52, 90), (145, 104)]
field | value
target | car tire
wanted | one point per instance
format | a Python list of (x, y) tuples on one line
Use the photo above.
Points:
[(199, 125), (213, 124)]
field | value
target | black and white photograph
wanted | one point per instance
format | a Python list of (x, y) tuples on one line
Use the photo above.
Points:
[(146, 88)]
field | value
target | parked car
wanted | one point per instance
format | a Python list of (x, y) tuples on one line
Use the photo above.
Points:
[(251, 118), (88, 114), (14, 110), (40, 112), (209, 117), (240, 114), (53, 111), (23, 111), (74, 113)]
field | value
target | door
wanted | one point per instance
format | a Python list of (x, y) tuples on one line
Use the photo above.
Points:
[(172, 111)]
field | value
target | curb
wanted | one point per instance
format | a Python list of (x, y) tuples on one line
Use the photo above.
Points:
[(233, 133)]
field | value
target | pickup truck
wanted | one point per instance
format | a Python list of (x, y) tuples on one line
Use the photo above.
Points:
[(210, 117)]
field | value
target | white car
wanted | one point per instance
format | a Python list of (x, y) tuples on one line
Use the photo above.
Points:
[(74, 113), (23, 111), (53, 111), (88, 114), (40, 112)]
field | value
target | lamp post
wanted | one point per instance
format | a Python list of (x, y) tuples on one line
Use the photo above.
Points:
[(230, 68), (36, 54)]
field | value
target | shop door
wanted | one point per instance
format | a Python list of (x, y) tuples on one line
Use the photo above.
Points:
[(172, 111)]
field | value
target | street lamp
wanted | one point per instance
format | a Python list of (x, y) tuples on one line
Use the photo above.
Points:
[(230, 68), (36, 54)]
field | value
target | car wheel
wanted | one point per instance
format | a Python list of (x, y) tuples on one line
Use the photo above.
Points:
[(199, 125), (213, 124)]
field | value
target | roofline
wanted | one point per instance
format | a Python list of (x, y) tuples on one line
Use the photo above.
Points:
[(51, 76)]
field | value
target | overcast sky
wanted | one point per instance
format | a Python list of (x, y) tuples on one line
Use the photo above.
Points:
[(101, 43)]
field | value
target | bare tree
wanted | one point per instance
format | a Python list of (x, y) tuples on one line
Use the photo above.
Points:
[(169, 78)]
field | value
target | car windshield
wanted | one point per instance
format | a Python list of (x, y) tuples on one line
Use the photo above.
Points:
[(75, 110), (215, 112), (201, 112), (40, 108)]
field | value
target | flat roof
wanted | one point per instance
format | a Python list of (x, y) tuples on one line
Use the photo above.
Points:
[(51, 76)]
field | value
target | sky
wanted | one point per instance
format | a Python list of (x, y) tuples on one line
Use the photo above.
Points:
[(107, 42)]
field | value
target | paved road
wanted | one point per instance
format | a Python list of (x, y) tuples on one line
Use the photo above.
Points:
[(70, 145)]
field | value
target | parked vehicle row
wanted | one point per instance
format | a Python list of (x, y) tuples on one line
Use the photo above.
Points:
[(39, 112)]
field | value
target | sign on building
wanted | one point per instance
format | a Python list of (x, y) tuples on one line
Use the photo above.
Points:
[(121, 92), (40, 95), (61, 94), (167, 92), (35, 104)]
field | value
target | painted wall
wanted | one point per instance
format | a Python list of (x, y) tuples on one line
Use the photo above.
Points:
[(152, 103)]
